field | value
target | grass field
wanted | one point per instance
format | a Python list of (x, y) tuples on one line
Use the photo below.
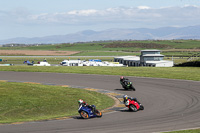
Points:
[(172, 47), (106, 53), (186, 131), (121, 45), (181, 53), (186, 73), (29, 102)]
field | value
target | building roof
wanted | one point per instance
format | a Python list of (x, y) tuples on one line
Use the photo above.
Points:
[(154, 55), (146, 50), (133, 58), (125, 57), (157, 62)]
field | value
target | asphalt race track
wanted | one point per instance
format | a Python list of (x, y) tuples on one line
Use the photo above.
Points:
[(169, 105)]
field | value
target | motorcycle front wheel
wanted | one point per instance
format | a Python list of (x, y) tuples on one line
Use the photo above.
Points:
[(141, 107), (98, 113), (84, 115), (133, 88)]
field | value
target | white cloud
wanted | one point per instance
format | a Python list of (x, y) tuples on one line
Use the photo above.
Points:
[(143, 7), (141, 16), (83, 12)]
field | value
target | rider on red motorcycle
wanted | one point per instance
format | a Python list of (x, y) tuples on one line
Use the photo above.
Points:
[(83, 103), (125, 97), (132, 103)]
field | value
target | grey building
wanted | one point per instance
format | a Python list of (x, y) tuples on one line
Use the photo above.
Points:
[(147, 58)]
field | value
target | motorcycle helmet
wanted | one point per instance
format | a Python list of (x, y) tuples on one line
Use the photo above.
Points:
[(80, 101), (125, 97), (121, 77)]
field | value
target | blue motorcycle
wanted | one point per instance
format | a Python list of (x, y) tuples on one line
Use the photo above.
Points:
[(86, 112)]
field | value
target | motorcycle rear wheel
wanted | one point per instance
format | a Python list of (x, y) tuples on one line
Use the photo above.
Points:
[(98, 113), (132, 108), (125, 88), (84, 115)]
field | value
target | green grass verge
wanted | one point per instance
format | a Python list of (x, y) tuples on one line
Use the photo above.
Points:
[(186, 73), (106, 53), (29, 102), (186, 131), (108, 46), (180, 53)]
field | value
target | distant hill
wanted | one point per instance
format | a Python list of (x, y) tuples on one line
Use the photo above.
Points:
[(164, 33)]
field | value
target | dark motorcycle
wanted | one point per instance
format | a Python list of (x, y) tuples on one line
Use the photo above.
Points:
[(127, 85)]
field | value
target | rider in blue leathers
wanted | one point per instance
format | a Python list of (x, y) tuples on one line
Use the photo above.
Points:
[(84, 104)]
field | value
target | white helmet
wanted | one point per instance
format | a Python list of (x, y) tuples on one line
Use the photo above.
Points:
[(125, 97), (80, 101)]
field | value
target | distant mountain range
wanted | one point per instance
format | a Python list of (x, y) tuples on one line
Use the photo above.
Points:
[(164, 33)]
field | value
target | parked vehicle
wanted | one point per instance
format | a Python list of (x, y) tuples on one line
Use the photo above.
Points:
[(42, 63), (71, 63), (134, 105), (86, 112), (28, 62)]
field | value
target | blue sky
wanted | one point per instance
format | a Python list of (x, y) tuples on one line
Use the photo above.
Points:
[(38, 18)]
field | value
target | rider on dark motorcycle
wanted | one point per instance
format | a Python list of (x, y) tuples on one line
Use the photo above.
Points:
[(124, 81), (84, 104)]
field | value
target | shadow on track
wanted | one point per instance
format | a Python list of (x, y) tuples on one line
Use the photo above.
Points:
[(77, 117), (80, 118), (123, 90)]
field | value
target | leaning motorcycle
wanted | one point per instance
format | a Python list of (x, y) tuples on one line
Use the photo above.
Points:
[(128, 85), (86, 112), (133, 105)]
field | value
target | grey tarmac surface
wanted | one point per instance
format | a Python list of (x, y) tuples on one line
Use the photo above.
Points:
[(169, 105)]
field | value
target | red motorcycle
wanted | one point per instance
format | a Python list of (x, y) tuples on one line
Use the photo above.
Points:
[(134, 105)]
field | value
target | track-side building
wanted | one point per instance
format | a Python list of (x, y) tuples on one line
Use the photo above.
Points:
[(147, 58)]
